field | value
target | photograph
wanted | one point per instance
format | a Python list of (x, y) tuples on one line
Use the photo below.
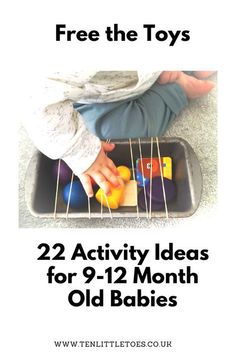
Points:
[(118, 149)]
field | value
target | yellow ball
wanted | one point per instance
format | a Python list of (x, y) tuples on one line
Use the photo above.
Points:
[(124, 172)]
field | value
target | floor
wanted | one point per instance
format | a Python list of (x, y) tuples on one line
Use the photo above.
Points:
[(197, 124)]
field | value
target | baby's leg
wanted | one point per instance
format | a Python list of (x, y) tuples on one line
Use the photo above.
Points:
[(147, 115)]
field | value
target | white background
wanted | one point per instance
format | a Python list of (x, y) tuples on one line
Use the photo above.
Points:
[(34, 313)]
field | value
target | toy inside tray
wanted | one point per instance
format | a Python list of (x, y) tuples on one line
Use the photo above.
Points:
[(149, 191)]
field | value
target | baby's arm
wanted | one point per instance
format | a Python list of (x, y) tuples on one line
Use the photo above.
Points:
[(59, 132)]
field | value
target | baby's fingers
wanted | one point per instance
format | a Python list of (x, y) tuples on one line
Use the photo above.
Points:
[(86, 182), (113, 168), (101, 180), (111, 177)]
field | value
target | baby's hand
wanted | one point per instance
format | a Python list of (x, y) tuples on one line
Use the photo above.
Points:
[(101, 171)]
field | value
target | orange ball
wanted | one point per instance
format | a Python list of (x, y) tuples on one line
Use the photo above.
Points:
[(124, 172)]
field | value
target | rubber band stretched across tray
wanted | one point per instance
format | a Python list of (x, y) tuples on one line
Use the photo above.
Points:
[(40, 187)]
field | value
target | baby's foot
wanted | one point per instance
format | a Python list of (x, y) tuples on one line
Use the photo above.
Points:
[(193, 87), (203, 74), (167, 77)]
